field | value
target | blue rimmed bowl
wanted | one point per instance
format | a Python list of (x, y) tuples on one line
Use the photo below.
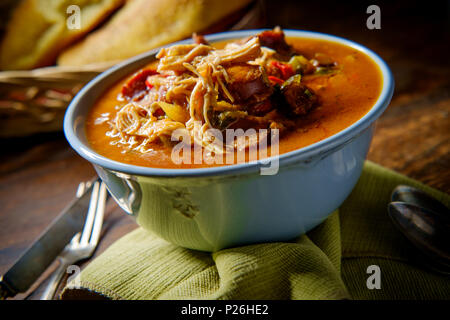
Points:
[(213, 208)]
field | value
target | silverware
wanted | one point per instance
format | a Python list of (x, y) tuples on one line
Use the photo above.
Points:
[(403, 193), (425, 222), (83, 244), (46, 248)]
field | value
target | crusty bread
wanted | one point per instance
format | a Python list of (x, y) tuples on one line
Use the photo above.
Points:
[(38, 31), (142, 25)]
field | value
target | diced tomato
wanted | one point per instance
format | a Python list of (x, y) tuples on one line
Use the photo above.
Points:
[(137, 82), (148, 84), (275, 80), (159, 113), (285, 69)]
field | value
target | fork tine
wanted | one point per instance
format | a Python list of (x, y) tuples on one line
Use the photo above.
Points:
[(98, 222), (81, 189), (75, 240), (85, 235)]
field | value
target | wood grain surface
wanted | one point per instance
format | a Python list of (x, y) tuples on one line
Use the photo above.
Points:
[(39, 175)]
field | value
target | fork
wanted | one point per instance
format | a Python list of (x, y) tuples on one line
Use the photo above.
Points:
[(83, 244)]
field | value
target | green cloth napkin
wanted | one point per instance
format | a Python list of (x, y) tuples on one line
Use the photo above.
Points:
[(330, 262)]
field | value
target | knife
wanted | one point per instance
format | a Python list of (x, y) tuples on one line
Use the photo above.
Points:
[(46, 248)]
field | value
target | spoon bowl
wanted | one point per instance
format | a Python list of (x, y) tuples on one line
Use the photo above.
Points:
[(404, 193), (427, 230)]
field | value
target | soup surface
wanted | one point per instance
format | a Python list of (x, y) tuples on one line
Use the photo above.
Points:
[(341, 85)]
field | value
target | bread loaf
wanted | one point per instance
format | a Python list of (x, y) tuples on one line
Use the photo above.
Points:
[(38, 31), (142, 25)]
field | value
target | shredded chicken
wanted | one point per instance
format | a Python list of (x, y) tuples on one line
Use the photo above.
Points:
[(191, 75), (197, 87), (136, 127)]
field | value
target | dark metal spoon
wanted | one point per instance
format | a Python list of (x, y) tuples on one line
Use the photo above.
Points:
[(427, 230), (420, 198)]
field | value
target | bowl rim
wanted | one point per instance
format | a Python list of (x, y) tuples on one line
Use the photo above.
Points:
[(303, 154)]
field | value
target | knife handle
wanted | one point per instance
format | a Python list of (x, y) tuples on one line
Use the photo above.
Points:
[(3, 293), (5, 290)]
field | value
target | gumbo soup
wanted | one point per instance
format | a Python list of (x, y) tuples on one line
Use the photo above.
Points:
[(298, 90)]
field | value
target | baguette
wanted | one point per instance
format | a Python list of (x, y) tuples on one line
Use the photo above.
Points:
[(142, 25), (37, 30)]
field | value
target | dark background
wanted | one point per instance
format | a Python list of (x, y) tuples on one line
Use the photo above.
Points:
[(39, 175)]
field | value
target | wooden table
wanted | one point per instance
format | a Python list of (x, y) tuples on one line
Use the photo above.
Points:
[(39, 175)]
